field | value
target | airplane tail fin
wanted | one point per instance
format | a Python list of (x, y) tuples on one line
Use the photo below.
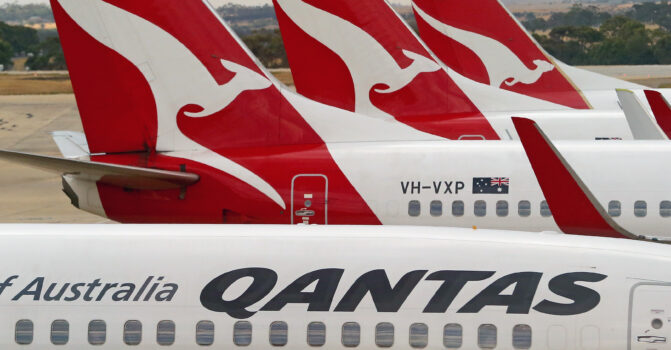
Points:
[(574, 208), (483, 41), (661, 110), (155, 75), (639, 119), (362, 57)]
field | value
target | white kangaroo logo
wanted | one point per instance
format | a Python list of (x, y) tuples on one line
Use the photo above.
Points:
[(369, 63), (177, 78), (502, 65)]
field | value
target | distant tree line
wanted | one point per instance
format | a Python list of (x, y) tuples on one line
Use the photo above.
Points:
[(583, 35), (658, 13), (42, 47)]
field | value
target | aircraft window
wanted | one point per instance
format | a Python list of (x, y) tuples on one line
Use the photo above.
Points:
[(458, 208), (242, 333), (205, 333), (665, 209), (165, 333), (419, 335), (436, 208), (316, 334), (132, 332), (23, 333), (545, 209), (502, 208), (97, 332), (60, 332), (480, 208), (452, 336), (614, 208), (522, 336), (524, 208), (384, 335), (414, 208), (487, 336), (279, 333), (640, 209), (351, 334)]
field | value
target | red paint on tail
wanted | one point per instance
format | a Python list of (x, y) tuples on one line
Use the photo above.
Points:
[(572, 209), (490, 19), (661, 110)]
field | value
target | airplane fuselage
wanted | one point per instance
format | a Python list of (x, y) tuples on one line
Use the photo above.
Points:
[(261, 287)]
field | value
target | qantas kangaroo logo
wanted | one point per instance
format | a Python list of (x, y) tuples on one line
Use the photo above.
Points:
[(188, 88), (503, 66), (371, 67)]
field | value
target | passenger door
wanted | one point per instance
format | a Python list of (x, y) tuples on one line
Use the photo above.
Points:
[(309, 199), (650, 317)]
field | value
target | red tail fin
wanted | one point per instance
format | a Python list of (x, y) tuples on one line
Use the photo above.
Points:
[(481, 40), (660, 109), (574, 207), (360, 56), (134, 97)]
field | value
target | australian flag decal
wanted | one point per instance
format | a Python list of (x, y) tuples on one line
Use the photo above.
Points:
[(491, 185)]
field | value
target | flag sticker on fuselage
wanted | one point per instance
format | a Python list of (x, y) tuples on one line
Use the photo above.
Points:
[(491, 185)]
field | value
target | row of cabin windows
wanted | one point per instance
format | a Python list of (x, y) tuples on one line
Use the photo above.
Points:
[(479, 208), (524, 208), (279, 334), (97, 332), (640, 209)]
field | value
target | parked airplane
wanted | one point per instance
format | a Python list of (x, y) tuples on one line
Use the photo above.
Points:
[(483, 41), (200, 144), (329, 287), (374, 64)]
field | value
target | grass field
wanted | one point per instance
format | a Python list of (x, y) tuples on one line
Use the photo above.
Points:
[(35, 84), (44, 83)]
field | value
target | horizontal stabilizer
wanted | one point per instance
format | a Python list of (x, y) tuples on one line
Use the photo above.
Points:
[(71, 144), (574, 208), (111, 174), (661, 110), (640, 121)]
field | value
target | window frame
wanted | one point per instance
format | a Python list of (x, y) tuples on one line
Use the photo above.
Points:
[(20, 332), (171, 333), (237, 337), (127, 332), (209, 338), (284, 338), (379, 334), (91, 333), (344, 332)]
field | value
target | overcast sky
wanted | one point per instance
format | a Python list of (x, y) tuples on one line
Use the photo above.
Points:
[(214, 2)]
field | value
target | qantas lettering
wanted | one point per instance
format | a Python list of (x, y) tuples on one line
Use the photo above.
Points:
[(437, 187), (40, 289), (388, 298)]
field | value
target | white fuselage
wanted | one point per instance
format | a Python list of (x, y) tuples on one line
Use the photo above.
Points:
[(211, 284), (614, 171)]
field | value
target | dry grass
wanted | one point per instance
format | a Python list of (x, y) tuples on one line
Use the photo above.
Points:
[(53, 83), (35, 84)]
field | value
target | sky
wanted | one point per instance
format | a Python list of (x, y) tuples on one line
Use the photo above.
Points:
[(214, 2)]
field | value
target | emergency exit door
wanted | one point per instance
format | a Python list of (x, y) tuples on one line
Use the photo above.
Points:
[(650, 317), (309, 199)]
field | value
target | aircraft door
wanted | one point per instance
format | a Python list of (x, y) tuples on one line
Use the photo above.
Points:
[(309, 199), (650, 317)]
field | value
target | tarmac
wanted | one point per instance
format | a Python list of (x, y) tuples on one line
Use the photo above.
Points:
[(29, 195)]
